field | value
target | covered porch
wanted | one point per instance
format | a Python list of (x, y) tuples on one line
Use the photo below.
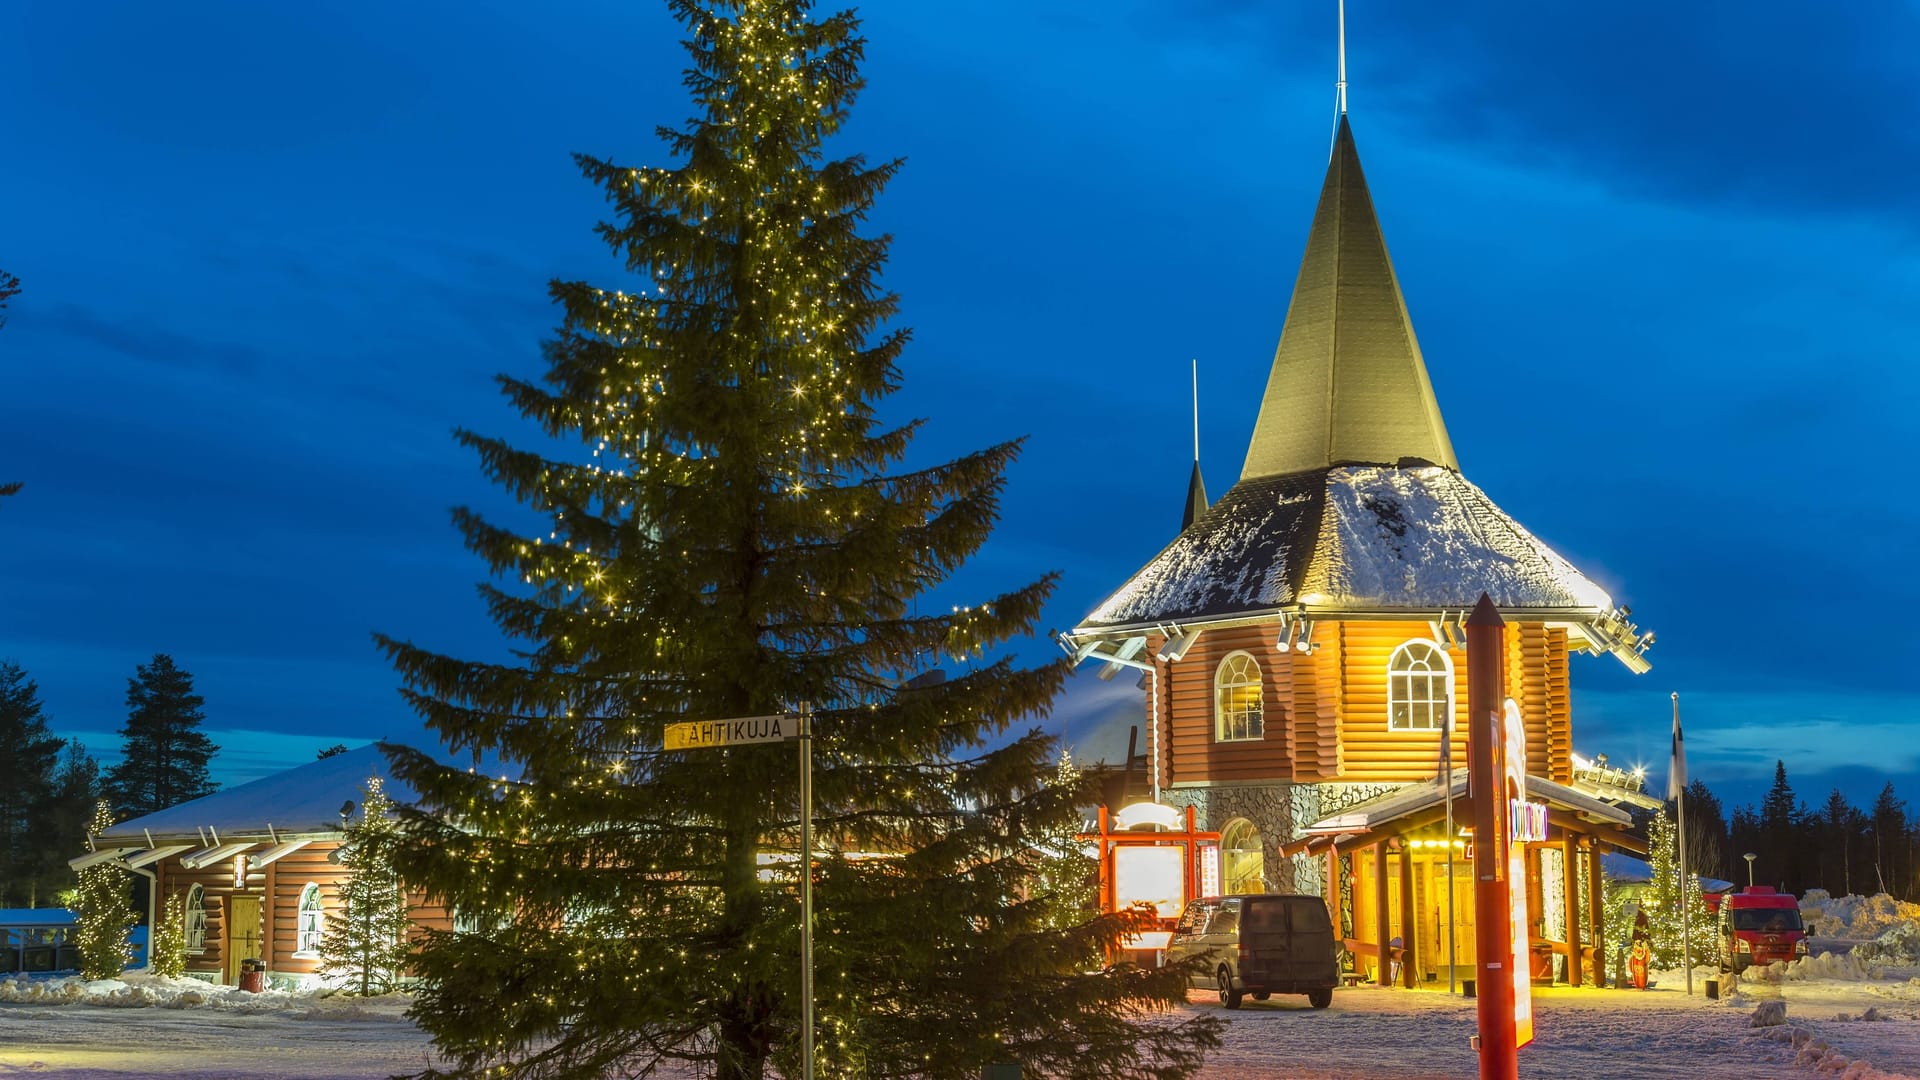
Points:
[(1399, 884)]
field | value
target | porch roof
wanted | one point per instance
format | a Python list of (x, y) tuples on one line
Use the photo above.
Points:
[(1378, 814)]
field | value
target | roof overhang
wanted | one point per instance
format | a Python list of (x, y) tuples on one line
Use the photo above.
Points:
[(1374, 814), (1597, 632)]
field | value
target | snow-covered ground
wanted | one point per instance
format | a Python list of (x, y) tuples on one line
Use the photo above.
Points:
[(1842, 1020)]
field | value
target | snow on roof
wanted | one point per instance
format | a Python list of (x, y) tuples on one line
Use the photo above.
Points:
[(1356, 538), (303, 799), (1428, 538), (1381, 809)]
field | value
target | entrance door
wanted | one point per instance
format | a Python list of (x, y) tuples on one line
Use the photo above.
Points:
[(246, 933)]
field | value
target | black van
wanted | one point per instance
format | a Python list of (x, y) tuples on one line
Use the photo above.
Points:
[(1262, 944)]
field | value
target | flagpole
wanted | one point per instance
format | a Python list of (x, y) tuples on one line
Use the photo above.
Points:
[(1677, 781)]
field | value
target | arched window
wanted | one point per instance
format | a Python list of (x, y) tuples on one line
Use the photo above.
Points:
[(1419, 687), (1243, 859), (1236, 699), (313, 919), (196, 919)]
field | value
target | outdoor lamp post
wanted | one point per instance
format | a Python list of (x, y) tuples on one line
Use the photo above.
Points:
[(1749, 856)]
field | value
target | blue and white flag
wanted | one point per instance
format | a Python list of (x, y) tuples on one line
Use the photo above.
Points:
[(1677, 770)]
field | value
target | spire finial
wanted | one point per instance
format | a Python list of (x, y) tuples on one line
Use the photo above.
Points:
[(1341, 86), (1196, 410)]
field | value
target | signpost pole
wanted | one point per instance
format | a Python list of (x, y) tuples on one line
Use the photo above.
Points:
[(806, 891), (1493, 941)]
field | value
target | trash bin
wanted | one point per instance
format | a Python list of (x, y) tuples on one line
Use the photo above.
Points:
[(253, 975), (38, 958)]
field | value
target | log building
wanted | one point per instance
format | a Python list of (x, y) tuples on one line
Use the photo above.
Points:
[(1301, 641)]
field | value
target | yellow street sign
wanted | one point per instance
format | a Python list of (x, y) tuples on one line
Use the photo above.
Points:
[(701, 734)]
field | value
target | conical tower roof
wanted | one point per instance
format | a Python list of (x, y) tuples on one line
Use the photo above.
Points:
[(1348, 385)]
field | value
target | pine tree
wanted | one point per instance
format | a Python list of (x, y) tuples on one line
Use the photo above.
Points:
[(30, 753), (164, 754), (1067, 879), (76, 791), (167, 939), (1779, 827), (364, 950), (1889, 819), (737, 536), (1707, 836), (1664, 896), (102, 911)]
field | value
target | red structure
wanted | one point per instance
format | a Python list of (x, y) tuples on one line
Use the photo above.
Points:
[(1148, 858), (1492, 897)]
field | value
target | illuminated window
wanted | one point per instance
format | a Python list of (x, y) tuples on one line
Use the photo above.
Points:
[(1236, 700), (1242, 859), (1419, 687), (313, 919), (196, 919)]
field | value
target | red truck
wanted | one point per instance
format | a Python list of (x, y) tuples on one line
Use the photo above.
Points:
[(1758, 926)]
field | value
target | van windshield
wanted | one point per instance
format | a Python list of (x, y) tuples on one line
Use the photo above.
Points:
[(1766, 920)]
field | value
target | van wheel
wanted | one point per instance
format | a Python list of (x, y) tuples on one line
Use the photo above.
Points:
[(1262, 995), (1320, 999), (1229, 994)]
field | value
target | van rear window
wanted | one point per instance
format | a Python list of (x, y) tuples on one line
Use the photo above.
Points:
[(1308, 915)]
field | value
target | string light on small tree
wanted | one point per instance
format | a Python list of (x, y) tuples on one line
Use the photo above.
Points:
[(103, 909)]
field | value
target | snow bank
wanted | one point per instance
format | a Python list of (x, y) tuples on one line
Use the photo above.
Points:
[(1858, 918), (150, 991), (1839, 967)]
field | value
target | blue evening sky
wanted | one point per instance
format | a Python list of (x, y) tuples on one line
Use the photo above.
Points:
[(1661, 258)]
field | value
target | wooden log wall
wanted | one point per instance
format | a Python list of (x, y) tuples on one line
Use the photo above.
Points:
[(279, 884), (1189, 750), (1325, 712)]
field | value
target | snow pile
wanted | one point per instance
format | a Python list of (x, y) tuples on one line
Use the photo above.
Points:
[(1900, 944), (1769, 1014), (149, 991), (1859, 918), (1840, 967)]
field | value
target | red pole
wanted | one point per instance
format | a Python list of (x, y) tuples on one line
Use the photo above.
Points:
[(1486, 690)]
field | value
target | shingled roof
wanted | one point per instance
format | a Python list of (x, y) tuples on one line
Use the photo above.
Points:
[(1355, 538)]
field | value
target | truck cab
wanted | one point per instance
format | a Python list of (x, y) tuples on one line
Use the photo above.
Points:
[(1759, 925)]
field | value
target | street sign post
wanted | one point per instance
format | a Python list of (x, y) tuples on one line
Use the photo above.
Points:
[(746, 731)]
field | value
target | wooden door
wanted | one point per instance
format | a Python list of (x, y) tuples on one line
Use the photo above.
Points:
[(246, 933)]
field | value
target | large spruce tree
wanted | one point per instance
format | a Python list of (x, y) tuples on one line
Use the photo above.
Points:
[(30, 753), (165, 754), (738, 534)]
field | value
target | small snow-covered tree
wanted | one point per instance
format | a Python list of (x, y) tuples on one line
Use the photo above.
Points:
[(1665, 894), (167, 939), (103, 910), (365, 949)]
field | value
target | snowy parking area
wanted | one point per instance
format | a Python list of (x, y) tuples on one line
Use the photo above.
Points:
[(151, 1028)]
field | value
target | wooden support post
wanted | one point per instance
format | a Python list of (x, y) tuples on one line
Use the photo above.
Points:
[(1570, 871), (1410, 959), (1333, 889), (267, 906), (1383, 974), (1597, 910)]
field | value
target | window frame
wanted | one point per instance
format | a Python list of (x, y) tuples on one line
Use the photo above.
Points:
[(193, 918), (1256, 729), (303, 948), (1440, 710)]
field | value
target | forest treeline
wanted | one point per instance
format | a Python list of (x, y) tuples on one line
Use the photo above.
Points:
[(1832, 845), (52, 785)]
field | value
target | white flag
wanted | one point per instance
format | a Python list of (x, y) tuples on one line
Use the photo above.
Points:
[(1677, 770)]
